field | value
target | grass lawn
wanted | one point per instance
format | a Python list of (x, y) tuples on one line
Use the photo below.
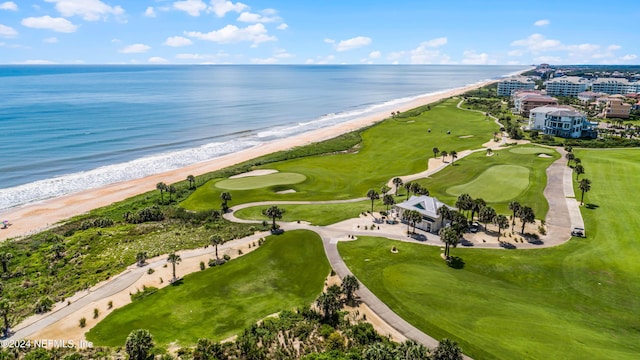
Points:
[(256, 182), (531, 150), (580, 300), (498, 179), (286, 272), (317, 214), (398, 146)]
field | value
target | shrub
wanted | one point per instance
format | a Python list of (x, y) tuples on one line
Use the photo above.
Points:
[(150, 271), (226, 257), (43, 305), (96, 312), (212, 262), (110, 304), (146, 291), (202, 267), (542, 230), (83, 322)]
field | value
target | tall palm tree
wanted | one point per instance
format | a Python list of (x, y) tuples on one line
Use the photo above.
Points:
[(570, 156), (373, 195), (502, 223), (141, 258), (454, 156), (226, 197), (411, 350), (6, 308), (444, 213), (384, 189), (584, 186), (476, 206), (388, 200), (328, 303), (171, 190), (464, 202), (349, 285), (397, 182), (515, 207), (162, 187), (273, 213), (174, 259), (436, 151), (216, 240), (577, 161), (444, 154), (449, 236), (416, 188), (139, 343), (526, 215), (192, 180), (5, 259), (414, 217), (407, 186), (447, 350), (579, 170), (487, 214)]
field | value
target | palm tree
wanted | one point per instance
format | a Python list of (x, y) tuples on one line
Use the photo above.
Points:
[(388, 200), (328, 303), (579, 170), (454, 156), (397, 182), (476, 206), (436, 151), (411, 350), (526, 215), (515, 207), (349, 285), (384, 189), (407, 187), (449, 236), (215, 241), (162, 187), (5, 259), (174, 259), (464, 202), (373, 195), (414, 217), (226, 197), (6, 308), (502, 223), (273, 213), (489, 151), (444, 154), (192, 180), (141, 258), (577, 161), (171, 190), (570, 156), (416, 188), (139, 344), (444, 213), (487, 215), (447, 350), (584, 186)]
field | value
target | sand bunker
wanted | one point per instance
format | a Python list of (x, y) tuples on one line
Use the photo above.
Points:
[(544, 156), (288, 191), (465, 136), (254, 173)]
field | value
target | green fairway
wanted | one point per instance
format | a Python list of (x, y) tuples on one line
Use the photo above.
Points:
[(286, 272), (531, 150), (395, 147), (580, 300), (498, 179), (316, 214), (256, 182), (498, 183)]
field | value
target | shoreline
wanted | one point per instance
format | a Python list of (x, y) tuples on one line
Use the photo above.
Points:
[(32, 218)]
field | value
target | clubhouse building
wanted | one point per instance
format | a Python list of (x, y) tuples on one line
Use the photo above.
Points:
[(428, 207)]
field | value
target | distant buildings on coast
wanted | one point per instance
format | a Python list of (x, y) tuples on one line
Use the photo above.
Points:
[(536, 97)]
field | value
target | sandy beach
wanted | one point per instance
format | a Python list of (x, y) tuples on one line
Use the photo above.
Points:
[(36, 217)]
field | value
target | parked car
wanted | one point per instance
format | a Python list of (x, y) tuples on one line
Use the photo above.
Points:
[(577, 231), (474, 227)]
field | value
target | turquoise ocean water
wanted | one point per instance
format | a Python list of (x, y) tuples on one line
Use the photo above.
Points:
[(65, 129)]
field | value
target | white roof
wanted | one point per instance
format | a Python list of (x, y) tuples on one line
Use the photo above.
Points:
[(425, 205)]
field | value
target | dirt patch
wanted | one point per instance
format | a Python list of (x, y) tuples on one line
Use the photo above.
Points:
[(288, 191), (260, 172)]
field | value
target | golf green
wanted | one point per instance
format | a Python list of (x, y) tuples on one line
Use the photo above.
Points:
[(496, 184), (531, 150), (256, 182), (285, 272)]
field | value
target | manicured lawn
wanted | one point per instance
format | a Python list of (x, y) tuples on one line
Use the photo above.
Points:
[(256, 182), (580, 300), (286, 272), (316, 214), (531, 150), (394, 147), (498, 179), (498, 183)]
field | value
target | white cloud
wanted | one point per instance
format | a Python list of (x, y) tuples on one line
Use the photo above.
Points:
[(437, 42), (177, 41), (270, 60), (425, 53), (543, 22), (9, 5), (470, 57), (191, 7), (321, 60), (255, 34), (135, 49), (47, 22), (614, 47), (116, 41), (375, 54), (515, 53), (548, 59), (157, 60), (281, 54), (190, 56), (629, 57), (513, 62), (36, 62), (538, 43), (90, 10), (150, 12), (249, 17), (583, 47), (282, 26), (7, 31), (349, 44), (51, 40), (222, 7)]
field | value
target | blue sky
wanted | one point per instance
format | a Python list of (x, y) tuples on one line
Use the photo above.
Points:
[(318, 32)]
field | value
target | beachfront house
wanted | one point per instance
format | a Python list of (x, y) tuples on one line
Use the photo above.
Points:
[(508, 86), (428, 207), (567, 123)]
